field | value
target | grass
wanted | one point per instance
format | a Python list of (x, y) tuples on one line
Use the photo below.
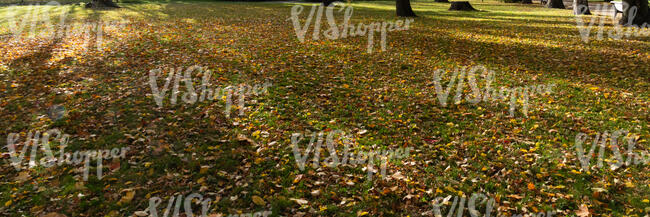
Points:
[(325, 85)]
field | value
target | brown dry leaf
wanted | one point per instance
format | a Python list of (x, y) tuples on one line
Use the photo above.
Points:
[(114, 165), (54, 214), (243, 138), (398, 176), (583, 211), (23, 176)]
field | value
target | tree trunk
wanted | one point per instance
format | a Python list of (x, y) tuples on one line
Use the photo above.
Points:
[(555, 4), (635, 12), (527, 1), (102, 3), (461, 6), (581, 7), (403, 8), (327, 2), (441, 1)]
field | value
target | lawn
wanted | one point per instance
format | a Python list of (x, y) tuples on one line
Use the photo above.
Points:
[(383, 100)]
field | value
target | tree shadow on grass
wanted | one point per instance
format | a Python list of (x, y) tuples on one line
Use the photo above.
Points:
[(560, 62)]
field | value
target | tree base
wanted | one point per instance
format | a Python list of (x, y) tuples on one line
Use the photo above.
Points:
[(101, 4), (559, 4), (636, 14), (461, 6), (641, 23), (581, 9), (328, 2), (403, 8), (441, 1)]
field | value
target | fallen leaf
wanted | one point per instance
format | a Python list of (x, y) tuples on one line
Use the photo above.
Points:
[(258, 200), (300, 201), (127, 197), (23, 176), (54, 214), (297, 179), (397, 175), (583, 211), (531, 186)]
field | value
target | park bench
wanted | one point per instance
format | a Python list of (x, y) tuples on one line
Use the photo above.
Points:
[(618, 7)]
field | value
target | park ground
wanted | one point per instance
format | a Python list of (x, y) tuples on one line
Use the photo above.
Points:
[(385, 99)]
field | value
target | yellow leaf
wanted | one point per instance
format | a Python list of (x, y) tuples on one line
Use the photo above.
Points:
[(127, 197), (8, 203), (258, 200), (297, 179), (259, 160)]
